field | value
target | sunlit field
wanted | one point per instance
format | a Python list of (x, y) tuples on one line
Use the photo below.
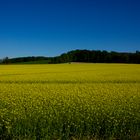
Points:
[(70, 101)]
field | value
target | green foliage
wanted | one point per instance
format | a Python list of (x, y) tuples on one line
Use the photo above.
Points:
[(80, 56)]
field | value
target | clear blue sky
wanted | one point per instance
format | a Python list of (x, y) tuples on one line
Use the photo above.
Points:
[(51, 27)]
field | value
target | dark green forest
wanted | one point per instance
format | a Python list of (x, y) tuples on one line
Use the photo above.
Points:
[(89, 56)]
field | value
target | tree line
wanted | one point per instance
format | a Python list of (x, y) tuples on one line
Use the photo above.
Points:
[(89, 56)]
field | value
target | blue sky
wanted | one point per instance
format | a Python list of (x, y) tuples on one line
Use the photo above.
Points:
[(52, 27)]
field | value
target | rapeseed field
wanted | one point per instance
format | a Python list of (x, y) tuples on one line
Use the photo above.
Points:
[(70, 101)]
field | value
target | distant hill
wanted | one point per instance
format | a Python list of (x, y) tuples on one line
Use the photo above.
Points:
[(89, 56)]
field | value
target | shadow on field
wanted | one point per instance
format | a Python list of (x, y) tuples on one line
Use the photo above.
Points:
[(4, 134), (70, 82)]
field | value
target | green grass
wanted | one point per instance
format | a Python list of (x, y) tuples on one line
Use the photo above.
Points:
[(70, 101)]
